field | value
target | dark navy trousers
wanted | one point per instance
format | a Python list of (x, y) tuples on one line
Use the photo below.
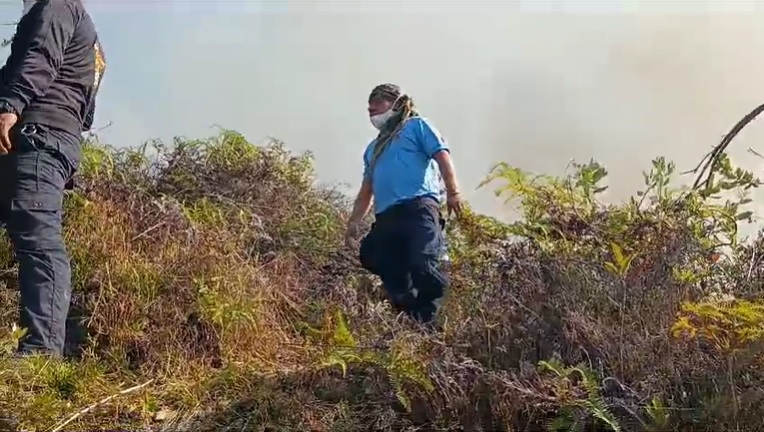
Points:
[(32, 182), (403, 248)]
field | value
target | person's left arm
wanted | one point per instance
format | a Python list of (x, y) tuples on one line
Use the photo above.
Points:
[(44, 33), (436, 147)]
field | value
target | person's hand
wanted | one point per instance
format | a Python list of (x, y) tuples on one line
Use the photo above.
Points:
[(351, 234), (7, 121), (454, 203)]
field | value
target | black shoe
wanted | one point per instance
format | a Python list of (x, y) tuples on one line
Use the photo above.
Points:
[(403, 303), (34, 353)]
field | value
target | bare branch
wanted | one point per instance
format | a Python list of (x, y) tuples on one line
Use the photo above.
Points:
[(709, 161), (86, 410)]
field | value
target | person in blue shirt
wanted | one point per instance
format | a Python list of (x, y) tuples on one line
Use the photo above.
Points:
[(403, 166)]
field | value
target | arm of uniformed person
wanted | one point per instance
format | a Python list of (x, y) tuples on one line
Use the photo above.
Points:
[(436, 147), (43, 34)]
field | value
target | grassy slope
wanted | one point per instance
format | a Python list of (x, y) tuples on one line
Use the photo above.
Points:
[(216, 274)]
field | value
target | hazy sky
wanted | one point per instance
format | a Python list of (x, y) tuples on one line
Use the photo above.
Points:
[(534, 83)]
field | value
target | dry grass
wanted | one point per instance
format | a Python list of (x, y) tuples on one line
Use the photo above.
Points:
[(215, 273)]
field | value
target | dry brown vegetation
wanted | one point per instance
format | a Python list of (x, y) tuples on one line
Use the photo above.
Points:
[(213, 272)]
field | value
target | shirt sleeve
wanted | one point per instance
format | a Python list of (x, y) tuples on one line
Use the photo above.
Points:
[(43, 35), (366, 171), (429, 138)]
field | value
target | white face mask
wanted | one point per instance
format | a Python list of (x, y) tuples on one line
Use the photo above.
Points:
[(379, 120)]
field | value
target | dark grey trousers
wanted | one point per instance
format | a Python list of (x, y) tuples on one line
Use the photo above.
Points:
[(404, 248), (32, 182)]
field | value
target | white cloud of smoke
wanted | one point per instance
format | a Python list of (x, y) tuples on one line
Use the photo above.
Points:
[(502, 83)]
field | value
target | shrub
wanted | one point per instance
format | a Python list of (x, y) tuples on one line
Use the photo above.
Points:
[(212, 275)]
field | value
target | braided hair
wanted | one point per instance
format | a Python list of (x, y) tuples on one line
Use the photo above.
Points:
[(404, 109)]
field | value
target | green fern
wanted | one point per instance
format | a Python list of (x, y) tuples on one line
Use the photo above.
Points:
[(658, 413), (593, 405), (564, 422), (401, 367)]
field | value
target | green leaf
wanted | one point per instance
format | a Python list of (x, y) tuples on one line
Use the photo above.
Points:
[(612, 268), (617, 253)]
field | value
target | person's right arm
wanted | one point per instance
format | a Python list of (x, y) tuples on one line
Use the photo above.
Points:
[(365, 196), (363, 201)]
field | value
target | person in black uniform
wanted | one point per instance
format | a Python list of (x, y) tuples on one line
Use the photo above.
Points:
[(47, 100)]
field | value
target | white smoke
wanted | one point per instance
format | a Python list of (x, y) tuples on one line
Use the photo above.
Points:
[(533, 83)]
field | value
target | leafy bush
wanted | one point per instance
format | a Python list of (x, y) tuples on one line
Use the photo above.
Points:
[(212, 275)]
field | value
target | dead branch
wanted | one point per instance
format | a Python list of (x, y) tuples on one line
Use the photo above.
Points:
[(707, 165), (86, 410)]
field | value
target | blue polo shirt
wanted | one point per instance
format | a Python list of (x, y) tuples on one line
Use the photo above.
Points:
[(406, 168)]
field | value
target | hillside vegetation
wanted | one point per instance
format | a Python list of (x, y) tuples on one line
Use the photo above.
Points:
[(212, 275)]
